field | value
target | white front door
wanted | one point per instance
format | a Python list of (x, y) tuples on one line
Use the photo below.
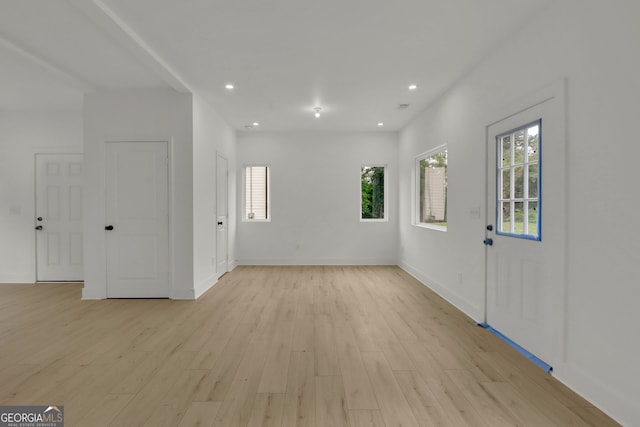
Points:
[(222, 216), (525, 245), (58, 219), (137, 220)]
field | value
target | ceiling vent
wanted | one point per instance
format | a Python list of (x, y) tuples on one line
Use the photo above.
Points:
[(403, 106)]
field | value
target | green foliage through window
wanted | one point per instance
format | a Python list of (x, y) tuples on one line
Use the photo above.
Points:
[(519, 182), (372, 191)]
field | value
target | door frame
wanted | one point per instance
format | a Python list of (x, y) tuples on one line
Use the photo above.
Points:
[(556, 91), (221, 155)]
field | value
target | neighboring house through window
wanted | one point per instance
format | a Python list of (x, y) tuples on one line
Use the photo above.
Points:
[(431, 189), (257, 204)]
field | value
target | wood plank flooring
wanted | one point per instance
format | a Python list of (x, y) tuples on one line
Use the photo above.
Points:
[(273, 346)]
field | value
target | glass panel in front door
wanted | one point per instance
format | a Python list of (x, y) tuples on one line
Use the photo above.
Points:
[(518, 173)]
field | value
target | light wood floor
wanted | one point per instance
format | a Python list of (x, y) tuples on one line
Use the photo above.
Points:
[(273, 346)]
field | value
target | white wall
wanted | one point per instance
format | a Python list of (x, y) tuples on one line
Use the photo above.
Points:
[(594, 46), (315, 199), (22, 134), (211, 135), (139, 115)]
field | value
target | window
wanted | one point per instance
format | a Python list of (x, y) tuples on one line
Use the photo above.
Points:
[(431, 187), (518, 212), (372, 200), (257, 205)]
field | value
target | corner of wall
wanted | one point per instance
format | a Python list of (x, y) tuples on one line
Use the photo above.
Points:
[(93, 294), (182, 294), (204, 286)]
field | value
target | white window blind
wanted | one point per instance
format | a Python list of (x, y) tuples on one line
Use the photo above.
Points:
[(257, 193)]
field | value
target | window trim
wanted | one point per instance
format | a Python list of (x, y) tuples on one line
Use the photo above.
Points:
[(416, 193), (498, 170), (386, 192), (244, 192)]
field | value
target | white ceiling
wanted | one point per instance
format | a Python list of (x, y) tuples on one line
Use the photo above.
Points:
[(354, 58)]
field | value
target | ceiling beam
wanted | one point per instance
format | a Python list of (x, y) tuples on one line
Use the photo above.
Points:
[(64, 76), (122, 33)]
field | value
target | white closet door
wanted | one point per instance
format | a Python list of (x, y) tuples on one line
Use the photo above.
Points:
[(137, 220)]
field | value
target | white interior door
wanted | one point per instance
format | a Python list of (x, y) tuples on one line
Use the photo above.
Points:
[(137, 215), (222, 214), (525, 246), (58, 219)]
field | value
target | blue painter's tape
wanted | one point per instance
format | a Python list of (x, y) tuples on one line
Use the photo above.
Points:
[(537, 361)]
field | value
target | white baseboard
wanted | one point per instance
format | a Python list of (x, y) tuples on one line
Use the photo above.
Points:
[(182, 294), (17, 279), (93, 294), (318, 261), (602, 396), (471, 310), (608, 400), (204, 286)]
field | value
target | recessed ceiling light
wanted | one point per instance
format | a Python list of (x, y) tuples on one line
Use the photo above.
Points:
[(229, 86), (380, 124), (317, 112), (256, 124), (413, 87)]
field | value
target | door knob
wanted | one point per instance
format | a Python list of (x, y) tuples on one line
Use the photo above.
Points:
[(39, 227), (39, 218), (488, 242), (109, 227), (490, 227)]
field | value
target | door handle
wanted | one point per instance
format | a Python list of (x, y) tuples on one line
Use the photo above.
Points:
[(490, 227), (488, 242), (219, 222), (109, 227), (39, 228)]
